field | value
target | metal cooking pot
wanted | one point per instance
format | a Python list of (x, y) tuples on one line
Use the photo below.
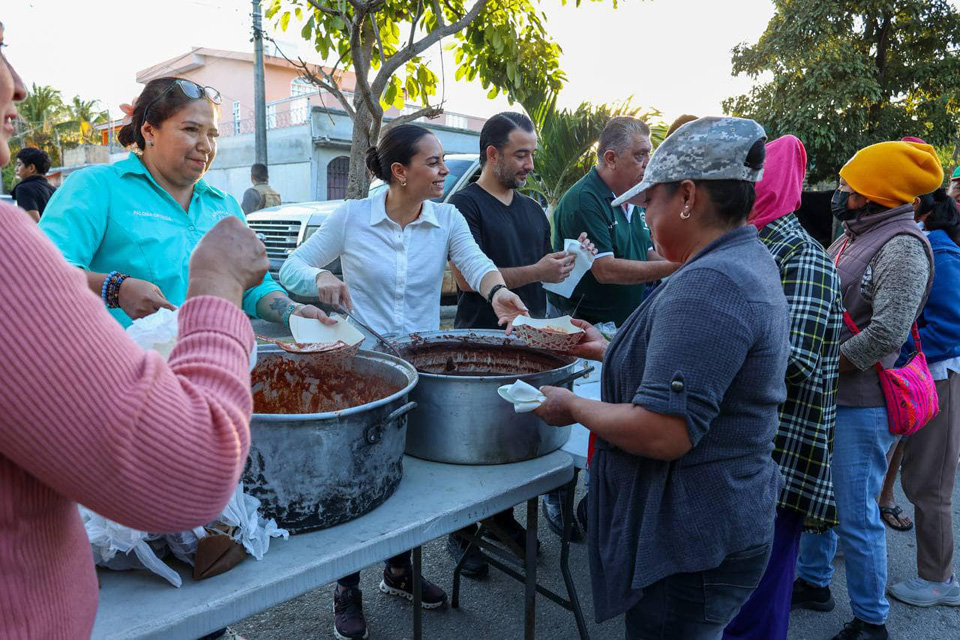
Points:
[(460, 418), (326, 442)]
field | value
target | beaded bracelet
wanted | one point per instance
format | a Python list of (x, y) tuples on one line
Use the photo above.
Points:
[(106, 281), (285, 318), (112, 295)]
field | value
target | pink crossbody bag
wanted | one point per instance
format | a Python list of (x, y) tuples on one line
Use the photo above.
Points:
[(909, 392)]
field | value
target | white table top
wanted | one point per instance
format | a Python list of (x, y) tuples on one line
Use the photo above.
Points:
[(431, 500), (579, 441)]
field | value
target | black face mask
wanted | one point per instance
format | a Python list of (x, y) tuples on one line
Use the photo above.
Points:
[(838, 207)]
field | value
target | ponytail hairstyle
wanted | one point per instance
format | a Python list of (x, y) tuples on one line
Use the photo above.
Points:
[(943, 213), (170, 102), (398, 144)]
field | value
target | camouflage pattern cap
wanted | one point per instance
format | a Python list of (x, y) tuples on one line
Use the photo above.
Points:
[(704, 149)]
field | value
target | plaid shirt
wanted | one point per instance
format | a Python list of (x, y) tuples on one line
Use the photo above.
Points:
[(804, 441)]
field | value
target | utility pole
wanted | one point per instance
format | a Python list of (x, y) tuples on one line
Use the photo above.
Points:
[(259, 91)]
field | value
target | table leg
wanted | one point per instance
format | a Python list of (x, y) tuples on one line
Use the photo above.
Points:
[(568, 524), (417, 594), (530, 584)]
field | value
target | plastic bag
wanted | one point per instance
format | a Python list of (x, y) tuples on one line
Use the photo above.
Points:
[(608, 329), (112, 543), (158, 332), (183, 545), (121, 548), (253, 530)]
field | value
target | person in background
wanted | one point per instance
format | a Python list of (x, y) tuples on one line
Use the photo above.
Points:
[(615, 285), (805, 434), (393, 249), (929, 469), (679, 122), (683, 487), (890, 512), (953, 190), (514, 232), (261, 195), (154, 445), (132, 226), (886, 267), (34, 190)]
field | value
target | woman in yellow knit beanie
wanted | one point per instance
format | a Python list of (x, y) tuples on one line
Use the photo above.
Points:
[(893, 173), (885, 265)]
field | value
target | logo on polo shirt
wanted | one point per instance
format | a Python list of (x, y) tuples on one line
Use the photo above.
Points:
[(150, 214)]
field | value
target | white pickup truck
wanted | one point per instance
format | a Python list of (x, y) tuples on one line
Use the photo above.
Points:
[(288, 226)]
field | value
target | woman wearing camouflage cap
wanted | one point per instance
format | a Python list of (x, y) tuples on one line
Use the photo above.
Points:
[(683, 485)]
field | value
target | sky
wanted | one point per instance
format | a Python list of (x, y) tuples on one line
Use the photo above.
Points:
[(672, 55)]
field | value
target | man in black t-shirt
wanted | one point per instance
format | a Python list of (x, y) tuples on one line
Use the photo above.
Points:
[(33, 191), (514, 232), (510, 228)]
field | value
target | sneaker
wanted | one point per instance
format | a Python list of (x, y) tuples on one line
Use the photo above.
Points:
[(553, 514), (348, 620), (923, 593), (401, 585), (513, 529), (808, 596), (474, 566), (860, 630)]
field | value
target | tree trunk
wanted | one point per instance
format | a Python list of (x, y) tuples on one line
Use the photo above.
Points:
[(358, 180)]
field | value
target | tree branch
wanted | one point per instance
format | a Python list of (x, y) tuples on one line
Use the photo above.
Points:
[(439, 13), (394, 62), (426, 112), (327, 81), (361, 65), (416, 19), (376, 32)]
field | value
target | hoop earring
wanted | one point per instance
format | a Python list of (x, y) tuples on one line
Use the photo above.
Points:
[(403, 183), (685, 214)]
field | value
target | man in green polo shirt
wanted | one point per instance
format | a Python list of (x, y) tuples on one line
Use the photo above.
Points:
[(625, 259)]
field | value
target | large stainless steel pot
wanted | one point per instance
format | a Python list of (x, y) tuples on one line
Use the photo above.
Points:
[(460, 418), (326, 443)]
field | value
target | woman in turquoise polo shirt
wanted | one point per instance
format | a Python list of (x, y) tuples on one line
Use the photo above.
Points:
[(133, 225)]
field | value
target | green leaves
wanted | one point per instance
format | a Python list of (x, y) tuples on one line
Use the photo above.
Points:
[(846, 75)]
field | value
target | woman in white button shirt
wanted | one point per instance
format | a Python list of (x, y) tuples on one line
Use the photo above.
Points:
[(393, 249), (394, 246)]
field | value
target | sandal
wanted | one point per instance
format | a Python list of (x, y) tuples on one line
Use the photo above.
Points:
[(902, 524)]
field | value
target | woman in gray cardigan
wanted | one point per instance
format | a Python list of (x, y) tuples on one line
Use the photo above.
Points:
[(683, 487)]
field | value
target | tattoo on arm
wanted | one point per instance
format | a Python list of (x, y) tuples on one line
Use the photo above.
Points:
[(280, 304)]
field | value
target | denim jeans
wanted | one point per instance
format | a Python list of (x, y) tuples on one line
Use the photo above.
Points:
[(859, 465), (697, 606)]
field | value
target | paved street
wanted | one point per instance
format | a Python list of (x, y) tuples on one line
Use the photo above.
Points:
[(493, 608)]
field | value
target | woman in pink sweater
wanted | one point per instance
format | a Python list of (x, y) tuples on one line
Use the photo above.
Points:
[(87, 416)]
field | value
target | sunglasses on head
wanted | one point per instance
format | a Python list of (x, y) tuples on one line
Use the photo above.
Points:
[(190, 89)]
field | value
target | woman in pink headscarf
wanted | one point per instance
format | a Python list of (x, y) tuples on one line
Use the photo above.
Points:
[(802, 442)]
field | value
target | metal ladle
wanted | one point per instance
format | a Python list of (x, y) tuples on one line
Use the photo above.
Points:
[(376, 335)]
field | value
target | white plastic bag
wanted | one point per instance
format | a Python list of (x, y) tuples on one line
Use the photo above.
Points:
[(183, 545), (253, 530), (158, 332), (112, 543)]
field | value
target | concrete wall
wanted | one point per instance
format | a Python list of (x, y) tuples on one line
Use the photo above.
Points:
[(290, 155)]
